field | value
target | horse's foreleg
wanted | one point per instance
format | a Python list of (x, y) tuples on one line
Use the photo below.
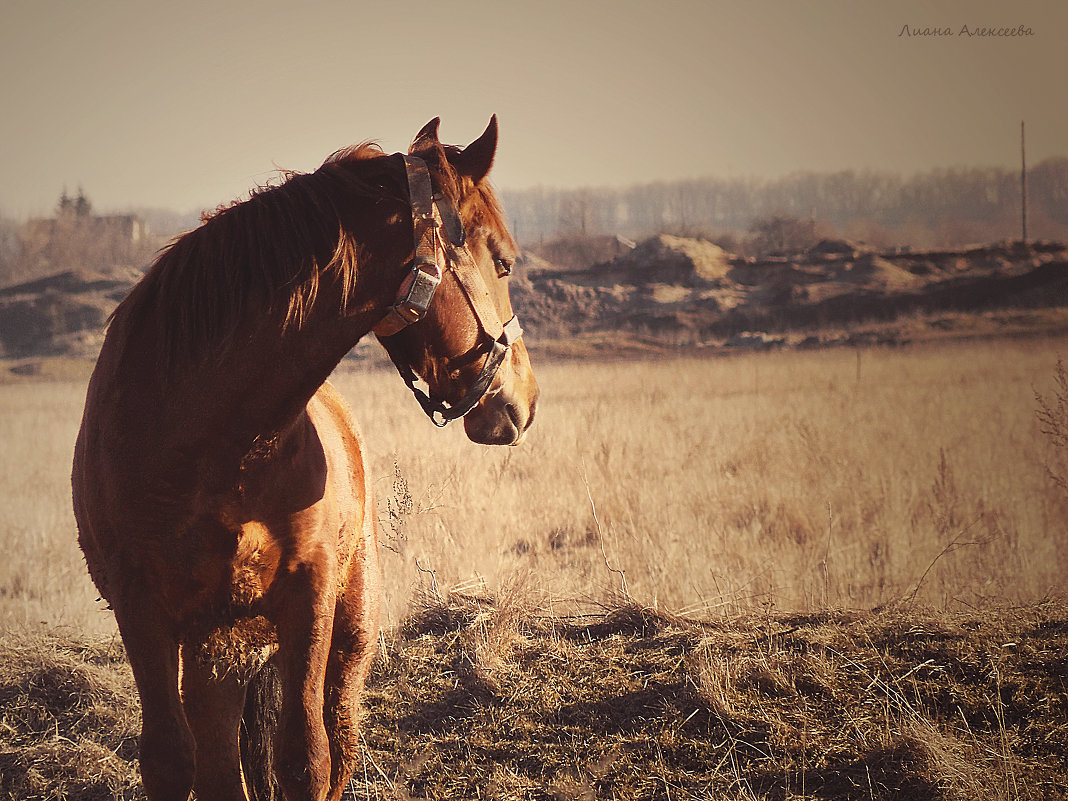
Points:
[(351, 653), (304, 621), (166, 748), (213, 707)]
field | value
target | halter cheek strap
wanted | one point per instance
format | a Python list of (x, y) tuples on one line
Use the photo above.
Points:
[(417, 289), (440, 246)]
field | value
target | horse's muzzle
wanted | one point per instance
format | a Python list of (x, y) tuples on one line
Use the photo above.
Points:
[(500, 419)]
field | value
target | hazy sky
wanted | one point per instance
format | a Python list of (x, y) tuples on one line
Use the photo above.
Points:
[(188, 104)]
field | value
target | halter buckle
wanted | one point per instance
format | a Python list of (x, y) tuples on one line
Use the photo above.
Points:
[(426, 275)]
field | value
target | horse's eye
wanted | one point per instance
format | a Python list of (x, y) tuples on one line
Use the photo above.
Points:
[(504, 266)]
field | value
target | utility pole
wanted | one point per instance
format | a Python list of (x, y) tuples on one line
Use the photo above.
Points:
[(1023, 185)]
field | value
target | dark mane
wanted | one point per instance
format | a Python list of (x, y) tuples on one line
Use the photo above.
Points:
[(272, 250)]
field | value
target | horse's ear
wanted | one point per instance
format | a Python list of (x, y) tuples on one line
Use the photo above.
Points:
[(475, 160), (427, 138)]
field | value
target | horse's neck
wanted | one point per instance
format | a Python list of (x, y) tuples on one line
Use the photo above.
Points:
[(261, 387), (270, 382), (225, 405)]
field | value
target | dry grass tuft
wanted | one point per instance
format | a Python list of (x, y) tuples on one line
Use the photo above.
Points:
[(69, 718), (473, 697), (627, 703)]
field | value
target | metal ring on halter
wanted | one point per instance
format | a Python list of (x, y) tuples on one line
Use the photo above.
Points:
[(412, 307)]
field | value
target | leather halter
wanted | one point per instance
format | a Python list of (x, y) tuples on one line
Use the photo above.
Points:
[(440, 247)]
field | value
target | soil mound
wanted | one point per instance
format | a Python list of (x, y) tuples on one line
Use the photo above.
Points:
[(60, 314), (689, 292), (877, 273), (674, 292), (668, 259)]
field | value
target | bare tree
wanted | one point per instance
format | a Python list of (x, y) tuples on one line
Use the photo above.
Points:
[(782, 234)]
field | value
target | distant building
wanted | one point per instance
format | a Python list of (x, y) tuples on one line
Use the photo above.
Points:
[(75, 213), (76, 238)]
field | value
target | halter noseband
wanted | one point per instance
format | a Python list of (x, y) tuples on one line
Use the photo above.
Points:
[(439, 234)]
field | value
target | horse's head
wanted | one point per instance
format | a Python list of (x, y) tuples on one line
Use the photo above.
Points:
[(453, 324)]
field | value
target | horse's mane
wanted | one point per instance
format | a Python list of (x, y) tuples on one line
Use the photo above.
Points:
[(275, 247)]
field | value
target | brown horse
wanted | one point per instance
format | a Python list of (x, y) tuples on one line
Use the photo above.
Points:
[(220, 486)]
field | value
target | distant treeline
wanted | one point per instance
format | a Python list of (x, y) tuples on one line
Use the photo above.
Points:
[(941, 208)]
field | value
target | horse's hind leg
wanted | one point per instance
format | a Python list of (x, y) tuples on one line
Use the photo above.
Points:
[(166, 747), (213, 707), (351, 653)]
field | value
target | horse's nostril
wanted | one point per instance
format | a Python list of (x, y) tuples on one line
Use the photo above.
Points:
[(513, 414)]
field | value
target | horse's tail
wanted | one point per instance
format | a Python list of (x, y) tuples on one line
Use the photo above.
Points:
[(259, 724)]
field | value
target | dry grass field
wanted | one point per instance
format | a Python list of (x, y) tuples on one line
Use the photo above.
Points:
[(780, 575), (799, 480)]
